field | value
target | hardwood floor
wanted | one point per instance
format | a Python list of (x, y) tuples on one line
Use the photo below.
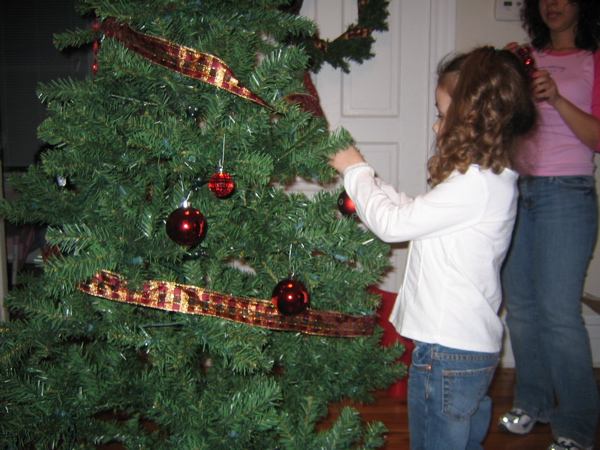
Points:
[(392, 412)]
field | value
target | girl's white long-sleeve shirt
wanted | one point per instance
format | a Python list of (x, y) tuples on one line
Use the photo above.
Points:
[(460, 232)]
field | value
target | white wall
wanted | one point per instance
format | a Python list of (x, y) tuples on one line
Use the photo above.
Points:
[(475, 25)]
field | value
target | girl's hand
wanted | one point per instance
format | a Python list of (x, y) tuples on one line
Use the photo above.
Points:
[(544, 88), (345, 158)]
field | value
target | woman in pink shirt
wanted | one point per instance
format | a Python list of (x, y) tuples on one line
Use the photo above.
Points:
[(556, 228)]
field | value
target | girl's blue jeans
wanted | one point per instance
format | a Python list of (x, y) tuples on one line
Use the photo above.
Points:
[(447, 403), (543, 280)]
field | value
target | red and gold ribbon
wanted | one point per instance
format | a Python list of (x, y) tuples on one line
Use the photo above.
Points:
[(180, 59), (170, 296), (308, 102), (357, 32)]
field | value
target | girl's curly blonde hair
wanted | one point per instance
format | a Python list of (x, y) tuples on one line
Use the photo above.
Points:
[(491, 109)]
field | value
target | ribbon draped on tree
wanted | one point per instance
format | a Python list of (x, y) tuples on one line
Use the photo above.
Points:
[(200, 66), (354, 44), (183, 60), (170, 296)]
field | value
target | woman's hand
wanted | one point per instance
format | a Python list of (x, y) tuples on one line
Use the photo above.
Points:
[(545, 88), (345, 158), (585, 126)]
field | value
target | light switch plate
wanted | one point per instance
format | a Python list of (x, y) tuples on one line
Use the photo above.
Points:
[(507, 10)]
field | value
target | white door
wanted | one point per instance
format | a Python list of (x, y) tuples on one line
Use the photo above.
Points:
[(387, 103)]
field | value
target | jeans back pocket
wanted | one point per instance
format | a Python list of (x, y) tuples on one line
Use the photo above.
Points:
[(464, 389)]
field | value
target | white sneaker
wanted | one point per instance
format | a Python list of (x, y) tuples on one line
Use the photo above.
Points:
[(567, 444), (518, 421)]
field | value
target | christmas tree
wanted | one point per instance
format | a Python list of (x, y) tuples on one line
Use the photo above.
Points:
[(186, 298)]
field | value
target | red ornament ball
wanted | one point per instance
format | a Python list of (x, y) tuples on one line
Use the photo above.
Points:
[(221, 184), (346, 205), (186, 226), (290, 297), (524, 52)]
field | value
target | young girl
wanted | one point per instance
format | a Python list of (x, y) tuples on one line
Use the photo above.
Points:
[(460, 232), (556, 229)]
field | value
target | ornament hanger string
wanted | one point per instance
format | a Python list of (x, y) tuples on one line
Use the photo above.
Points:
[(186, 201), (292, 270), (222, 160)]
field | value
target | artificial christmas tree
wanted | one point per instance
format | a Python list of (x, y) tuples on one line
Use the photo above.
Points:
[(156, 320)]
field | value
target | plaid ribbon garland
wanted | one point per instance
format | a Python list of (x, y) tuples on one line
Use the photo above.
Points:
[(198, 65), (180, 59), (170, 296)]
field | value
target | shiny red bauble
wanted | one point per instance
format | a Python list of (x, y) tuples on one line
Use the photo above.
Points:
[(290, 297), (186, 226), (524, 52), (346, 205), (221, 184)]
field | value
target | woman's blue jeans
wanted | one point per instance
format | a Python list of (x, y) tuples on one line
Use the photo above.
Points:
[(447, 403), (543, 280)]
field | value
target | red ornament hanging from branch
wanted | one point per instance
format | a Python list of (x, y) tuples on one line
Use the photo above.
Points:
[(346, 205), (186, 226), (290, 297), (221, 184)]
